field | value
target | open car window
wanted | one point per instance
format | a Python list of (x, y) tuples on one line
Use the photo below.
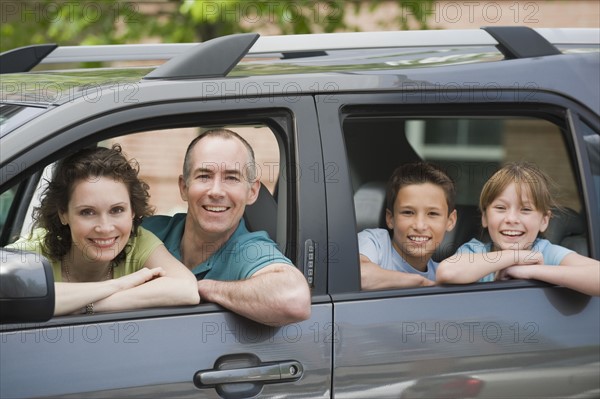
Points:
[(469, 149)]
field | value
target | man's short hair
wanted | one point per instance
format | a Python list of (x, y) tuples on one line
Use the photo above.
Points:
[(250, 169)]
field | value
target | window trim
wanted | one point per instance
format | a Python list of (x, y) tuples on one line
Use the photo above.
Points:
[(542, 105)]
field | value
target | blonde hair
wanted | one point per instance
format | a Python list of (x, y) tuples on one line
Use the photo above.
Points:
[(524, 175)]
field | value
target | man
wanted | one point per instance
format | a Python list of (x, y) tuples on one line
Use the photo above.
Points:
[(237, 269)]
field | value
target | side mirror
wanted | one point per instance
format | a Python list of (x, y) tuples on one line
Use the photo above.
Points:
[(26, 287)]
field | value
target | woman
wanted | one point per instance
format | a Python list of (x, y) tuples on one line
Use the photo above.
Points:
[(88, 225)]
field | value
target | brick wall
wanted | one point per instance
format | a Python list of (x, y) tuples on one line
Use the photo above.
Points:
[(475, 14)]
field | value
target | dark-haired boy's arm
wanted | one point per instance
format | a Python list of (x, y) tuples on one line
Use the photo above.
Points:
[(374, 277)]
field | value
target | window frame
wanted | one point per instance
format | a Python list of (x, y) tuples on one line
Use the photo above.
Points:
[(279, 115), (510, 103)]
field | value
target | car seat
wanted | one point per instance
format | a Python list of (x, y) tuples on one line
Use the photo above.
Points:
[(567, 228), (262, 214), (369, 205)]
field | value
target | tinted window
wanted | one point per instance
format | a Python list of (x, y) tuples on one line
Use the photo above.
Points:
[(13, 116)]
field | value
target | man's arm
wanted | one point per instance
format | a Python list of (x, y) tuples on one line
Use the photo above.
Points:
[(374, 277), (276, 295)]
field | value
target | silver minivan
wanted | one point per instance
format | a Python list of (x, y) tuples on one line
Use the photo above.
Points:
[(334, 114)]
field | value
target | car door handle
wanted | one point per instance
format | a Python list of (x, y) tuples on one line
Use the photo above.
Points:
[(267, 373)]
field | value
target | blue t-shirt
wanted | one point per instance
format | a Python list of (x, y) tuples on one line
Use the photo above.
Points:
[(376, 245), (553, 254), (243, 254)]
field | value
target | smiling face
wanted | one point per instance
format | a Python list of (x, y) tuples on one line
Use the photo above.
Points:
[(419, 221), (217, 189), (100, 219), (512, 220)]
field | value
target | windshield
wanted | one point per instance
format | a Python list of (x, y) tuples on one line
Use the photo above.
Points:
[(14, 115)]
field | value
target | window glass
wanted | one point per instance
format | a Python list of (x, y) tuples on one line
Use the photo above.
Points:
[(470, 150), (6, 200), (14, 115), (592, 145)]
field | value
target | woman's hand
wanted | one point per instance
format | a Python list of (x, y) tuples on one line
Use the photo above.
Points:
[(138, 278)]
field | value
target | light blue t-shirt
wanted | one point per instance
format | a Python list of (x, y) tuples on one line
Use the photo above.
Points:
[(376, 245), (553, 254), (240, 257)]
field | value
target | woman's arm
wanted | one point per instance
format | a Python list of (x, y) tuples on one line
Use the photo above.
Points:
[(575, 271), (74, 297), (464, 268), (374, 277), (177, 286)]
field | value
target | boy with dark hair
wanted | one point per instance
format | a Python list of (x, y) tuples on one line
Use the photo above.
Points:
[(419, 210)]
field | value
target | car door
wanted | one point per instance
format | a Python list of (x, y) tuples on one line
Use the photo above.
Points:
[(500, 339), (197, 351)]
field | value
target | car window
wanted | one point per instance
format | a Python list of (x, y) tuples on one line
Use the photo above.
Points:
[(6, 200), (160, 156), (592, 145), (470, 150), (14, 115), (16, 207)]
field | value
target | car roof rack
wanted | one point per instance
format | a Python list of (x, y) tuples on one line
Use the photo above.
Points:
[(513, 42), (214, 58), (520, 42), (23, 59)]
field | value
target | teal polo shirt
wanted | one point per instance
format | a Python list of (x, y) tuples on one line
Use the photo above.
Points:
[(243, 254)]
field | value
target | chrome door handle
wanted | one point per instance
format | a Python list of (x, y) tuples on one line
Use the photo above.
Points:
[(268, 373)]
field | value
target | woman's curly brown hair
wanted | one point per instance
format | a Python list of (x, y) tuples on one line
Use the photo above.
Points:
[(85, 164)]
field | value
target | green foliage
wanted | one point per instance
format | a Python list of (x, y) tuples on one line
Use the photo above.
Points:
[(66, 22)]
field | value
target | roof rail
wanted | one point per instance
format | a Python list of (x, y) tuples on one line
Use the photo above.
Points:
[(292, 46), (284, 44), (520, 42), (22, 59), (116, 52), (288, 45), (214, 58)]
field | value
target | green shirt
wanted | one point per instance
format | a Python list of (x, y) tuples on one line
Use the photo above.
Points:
[(138, 250)]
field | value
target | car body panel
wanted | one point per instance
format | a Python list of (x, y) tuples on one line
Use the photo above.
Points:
[(130, 355), (474, 333)]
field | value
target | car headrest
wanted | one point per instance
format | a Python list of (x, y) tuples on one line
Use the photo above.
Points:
[(468, 226), (567, 228), (369, 205), (262, 215)]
